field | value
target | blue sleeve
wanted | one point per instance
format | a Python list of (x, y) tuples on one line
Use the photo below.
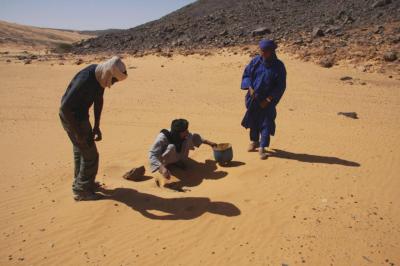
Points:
[(280, 84), (246, 78)]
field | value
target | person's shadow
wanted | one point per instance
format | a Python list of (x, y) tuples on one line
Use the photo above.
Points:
[(158, 208), (196, 172), (309, 158)]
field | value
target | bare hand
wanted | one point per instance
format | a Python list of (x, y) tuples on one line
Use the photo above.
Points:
[(264, 104), (251, 91), (97, 136), (164, 172), (213, 144), (210, 143)]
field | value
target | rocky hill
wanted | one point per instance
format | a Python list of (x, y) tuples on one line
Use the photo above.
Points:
[(322, 29), (231, 22)]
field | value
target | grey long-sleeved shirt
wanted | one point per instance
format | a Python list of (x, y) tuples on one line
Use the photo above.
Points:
[(160, 146)]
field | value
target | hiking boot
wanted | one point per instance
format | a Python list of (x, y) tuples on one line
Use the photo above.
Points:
[(97, 186), (263, 154), (86, 196), (253, 146)]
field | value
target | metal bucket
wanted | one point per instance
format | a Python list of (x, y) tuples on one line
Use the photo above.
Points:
[(223, 153)]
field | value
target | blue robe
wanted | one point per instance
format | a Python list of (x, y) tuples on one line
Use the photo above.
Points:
[(267, 78)]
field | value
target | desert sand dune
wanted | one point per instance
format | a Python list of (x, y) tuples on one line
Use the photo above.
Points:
[(28, 37), (327, 195)]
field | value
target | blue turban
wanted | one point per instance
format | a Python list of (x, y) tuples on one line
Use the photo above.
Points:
[(267, 45)]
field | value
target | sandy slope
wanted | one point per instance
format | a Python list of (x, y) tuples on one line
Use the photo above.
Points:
[(328, 195), (25, 37)]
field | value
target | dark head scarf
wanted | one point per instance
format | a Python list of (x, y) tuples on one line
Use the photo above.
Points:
[(177, 126)]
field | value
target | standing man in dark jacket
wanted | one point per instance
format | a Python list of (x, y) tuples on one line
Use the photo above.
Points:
[(86, 89), (265, 81)]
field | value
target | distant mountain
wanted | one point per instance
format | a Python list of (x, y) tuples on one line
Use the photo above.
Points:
[(93, 32), (12, 34), (99, 32)]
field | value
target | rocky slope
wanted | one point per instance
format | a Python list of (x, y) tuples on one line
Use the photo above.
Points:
[(231, 22), (322, 30)]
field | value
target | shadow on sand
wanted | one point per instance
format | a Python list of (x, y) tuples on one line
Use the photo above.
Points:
[(309, 158), (172, 208), (196, 172)]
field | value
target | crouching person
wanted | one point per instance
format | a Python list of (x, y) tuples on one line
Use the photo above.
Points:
[(172, 147)]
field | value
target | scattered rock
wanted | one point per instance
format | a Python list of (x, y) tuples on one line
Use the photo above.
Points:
[(381, 3), (78, 61), (317, 32), (333, 29), (326, 62), (379, 30), (390, 56), (8, 61), (223, 33), (21, 57), (298, 42), (367, 259), (349, 20), (344, 78), (135, 173), (27, 61), (261, 31), (166, 55), (352, 115)]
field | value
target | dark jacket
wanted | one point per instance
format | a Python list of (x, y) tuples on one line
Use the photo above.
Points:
[(81, 93)]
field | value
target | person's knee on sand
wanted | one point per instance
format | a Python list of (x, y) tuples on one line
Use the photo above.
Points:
[(172, 158)]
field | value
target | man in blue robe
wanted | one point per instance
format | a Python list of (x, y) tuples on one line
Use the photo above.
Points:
[(265, 81)]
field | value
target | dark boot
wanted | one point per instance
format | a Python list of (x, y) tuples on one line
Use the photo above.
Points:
[(86, 196)]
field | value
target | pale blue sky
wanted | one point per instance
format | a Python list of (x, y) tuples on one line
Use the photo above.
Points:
[(86, 14)]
